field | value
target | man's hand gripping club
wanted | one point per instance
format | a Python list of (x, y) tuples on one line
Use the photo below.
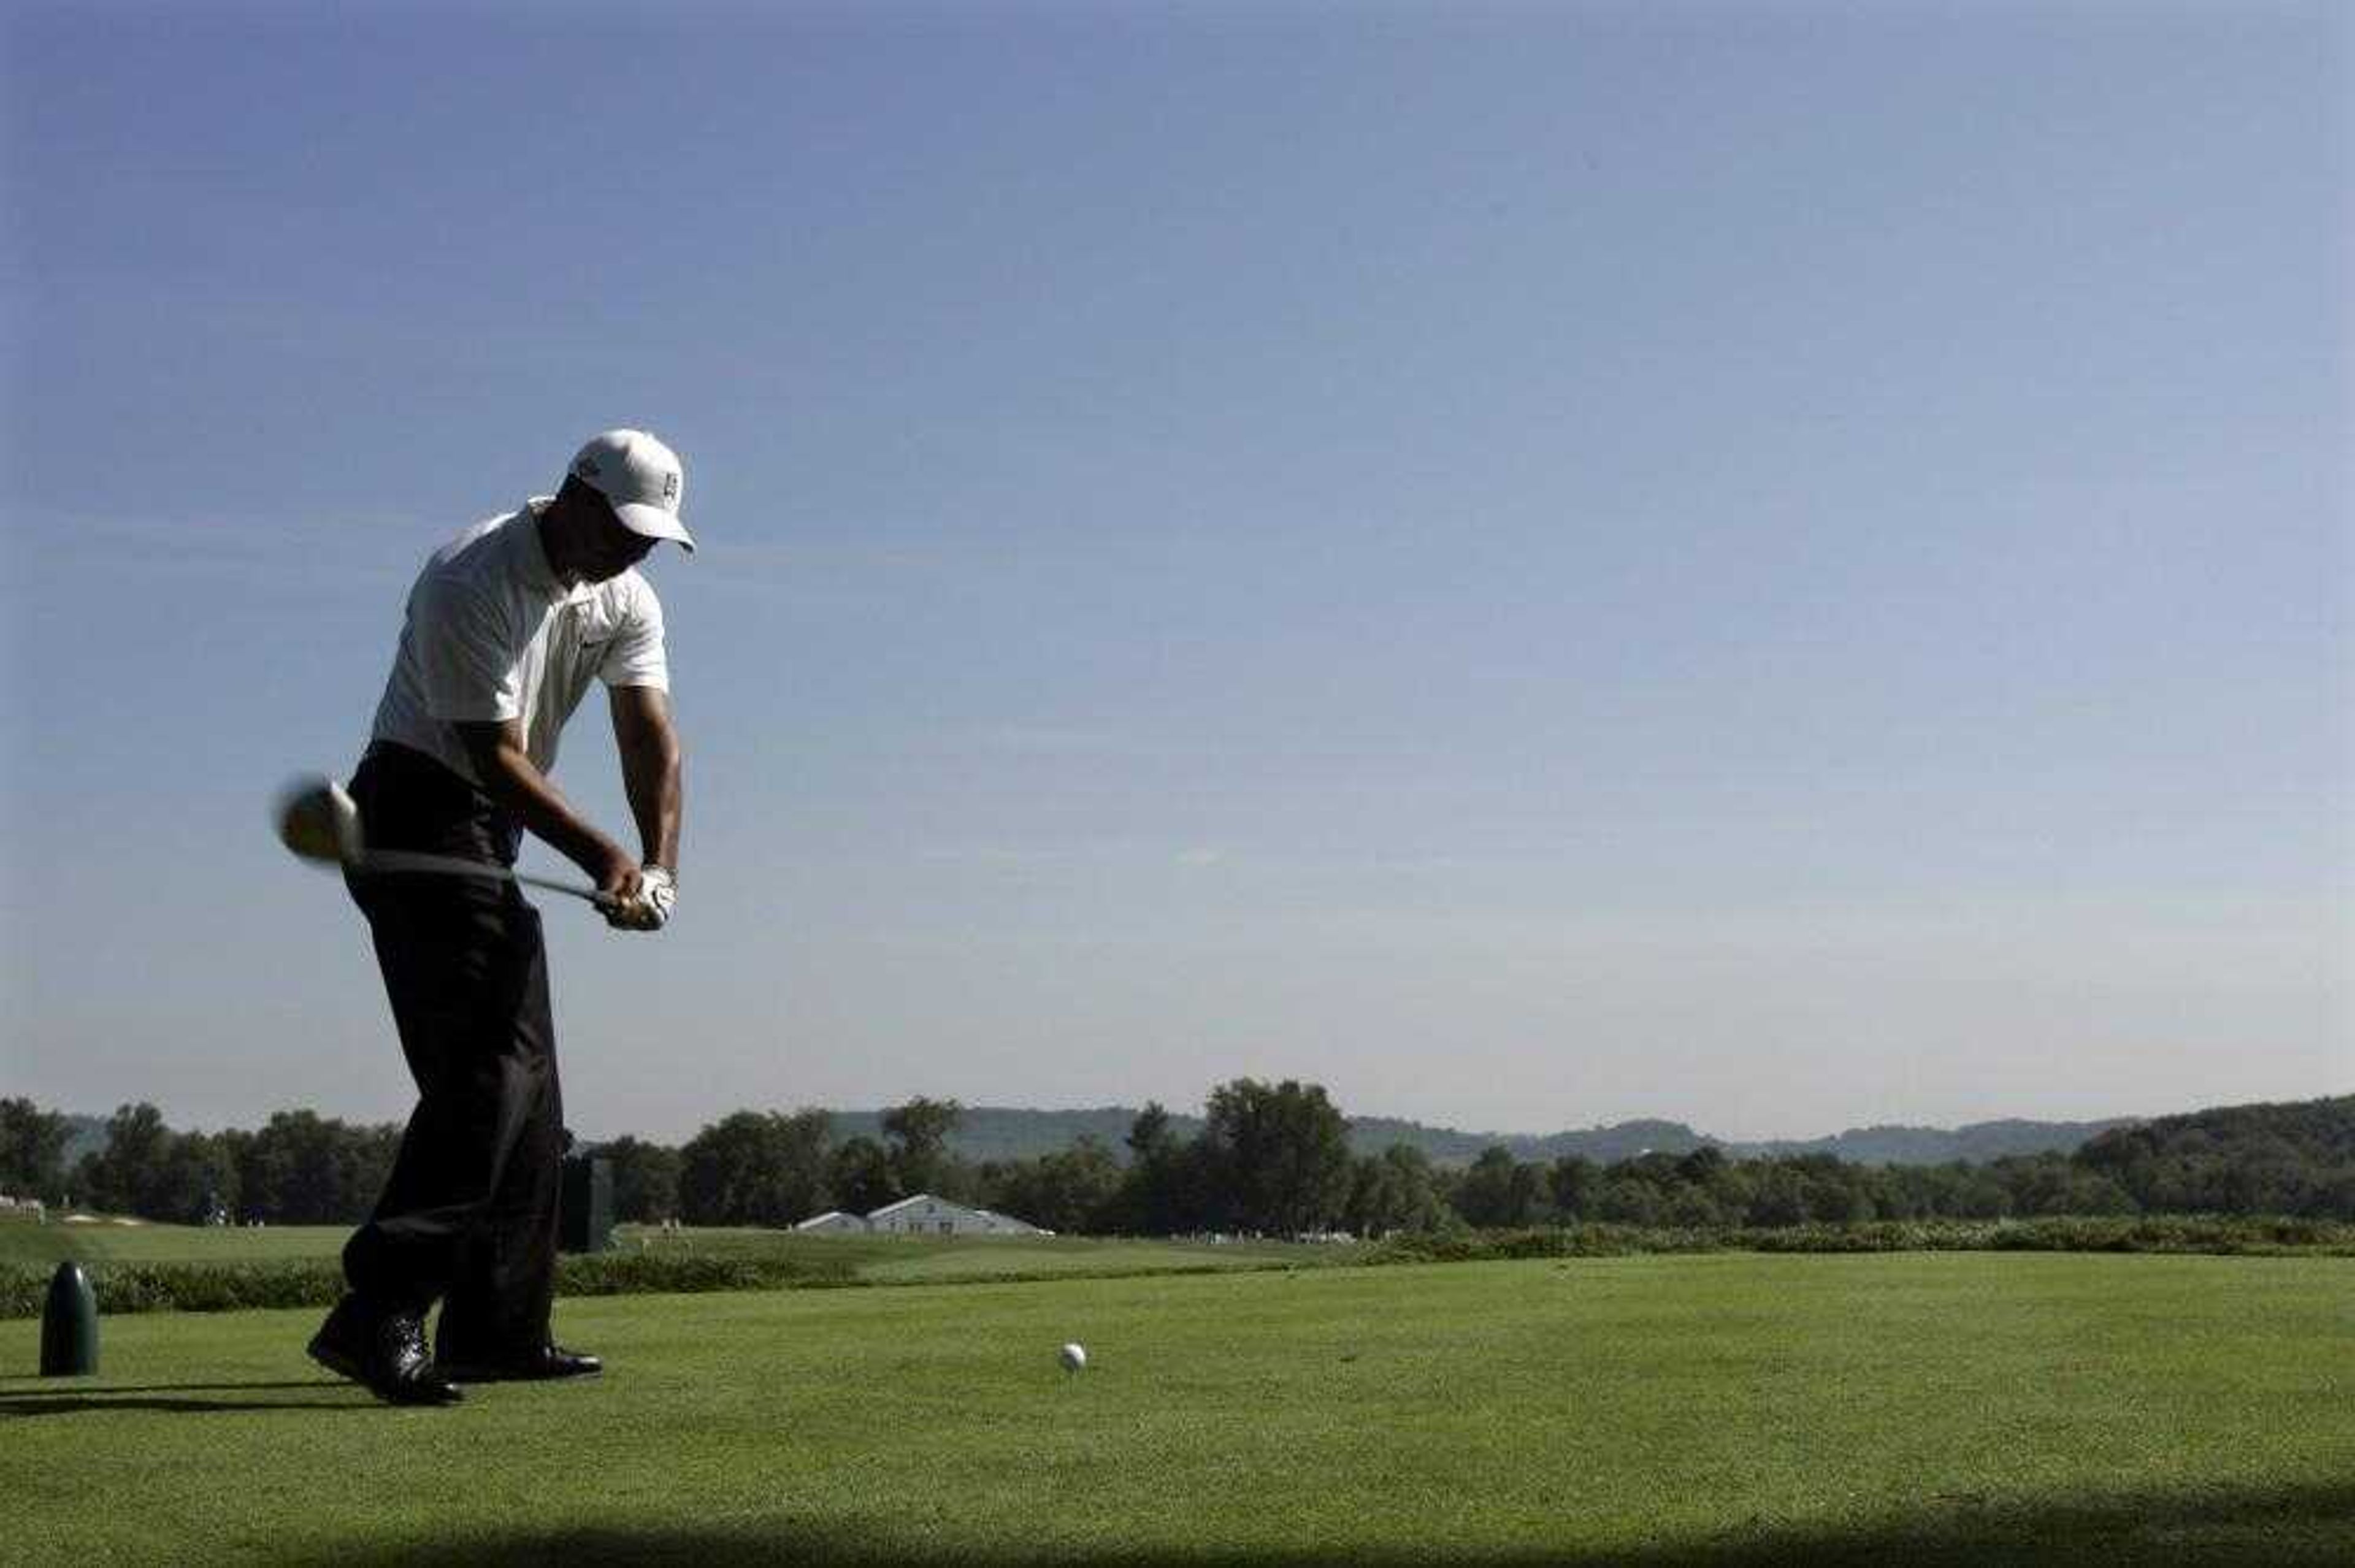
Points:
[(631, 895), (650, 910)]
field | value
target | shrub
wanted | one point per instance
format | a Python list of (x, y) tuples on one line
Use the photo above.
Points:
[(123, 1288), (2185, 1233)]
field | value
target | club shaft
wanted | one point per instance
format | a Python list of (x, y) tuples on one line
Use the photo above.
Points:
[(457, 865)]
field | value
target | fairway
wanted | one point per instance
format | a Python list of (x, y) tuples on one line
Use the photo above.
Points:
[(1720, 1409), (104, 1243), (881, 1260), (895, 1260)]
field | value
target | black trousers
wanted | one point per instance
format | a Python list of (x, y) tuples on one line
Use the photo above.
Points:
[(468, 1214)]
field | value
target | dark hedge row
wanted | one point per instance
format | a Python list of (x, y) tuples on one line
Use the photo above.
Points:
[(2227, 1236), (124, 1288), (184, 1288)]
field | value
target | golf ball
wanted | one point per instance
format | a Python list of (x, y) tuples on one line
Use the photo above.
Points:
[(1074, 1357)]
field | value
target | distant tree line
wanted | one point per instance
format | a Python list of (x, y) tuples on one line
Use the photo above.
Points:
[(297, 1168), (1269, 1158), (2295, 1159), (1275, 1158)]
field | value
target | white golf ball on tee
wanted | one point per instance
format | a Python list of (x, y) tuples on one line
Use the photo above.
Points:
[(1073, 1357)]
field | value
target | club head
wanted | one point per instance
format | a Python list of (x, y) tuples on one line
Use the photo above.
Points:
[(319, 821)]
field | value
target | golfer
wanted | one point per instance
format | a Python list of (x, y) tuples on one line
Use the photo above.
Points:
[(507, 625)]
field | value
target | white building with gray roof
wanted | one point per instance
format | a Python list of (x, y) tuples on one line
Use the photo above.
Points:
[(922, 1215)]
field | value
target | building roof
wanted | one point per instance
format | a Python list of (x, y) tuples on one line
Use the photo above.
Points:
[(921, 1198), (947, 1203)]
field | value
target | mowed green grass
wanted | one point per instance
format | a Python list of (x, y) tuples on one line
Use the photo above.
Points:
[(1727, 1409), (107, 1243), (881, 1259), (902, 1258)]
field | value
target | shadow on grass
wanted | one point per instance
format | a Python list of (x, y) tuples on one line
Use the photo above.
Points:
[(2271, 1526), (66, 1397)]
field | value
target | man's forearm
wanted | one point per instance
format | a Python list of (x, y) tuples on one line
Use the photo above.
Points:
[(652, 772), (512, 780)]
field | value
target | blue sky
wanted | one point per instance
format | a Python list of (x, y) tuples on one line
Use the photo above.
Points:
[(1786, 567)]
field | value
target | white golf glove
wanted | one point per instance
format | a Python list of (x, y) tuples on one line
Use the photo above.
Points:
[(650, 911)]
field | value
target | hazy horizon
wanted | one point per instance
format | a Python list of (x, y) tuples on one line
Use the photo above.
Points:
[(681, 1133), (1782, 568)]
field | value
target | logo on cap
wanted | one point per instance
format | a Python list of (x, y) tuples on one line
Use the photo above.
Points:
[(670, 486)]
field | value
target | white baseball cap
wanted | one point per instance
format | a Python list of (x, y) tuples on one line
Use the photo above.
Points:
[(640, 478)]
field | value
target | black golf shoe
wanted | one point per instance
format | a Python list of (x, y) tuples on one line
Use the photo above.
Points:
[(546, 1364), (384, 1349)]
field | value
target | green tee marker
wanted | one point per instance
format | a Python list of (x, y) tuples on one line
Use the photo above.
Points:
[(69, 1326)]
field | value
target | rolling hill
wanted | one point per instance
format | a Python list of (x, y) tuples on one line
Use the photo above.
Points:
[(1001, 1132)]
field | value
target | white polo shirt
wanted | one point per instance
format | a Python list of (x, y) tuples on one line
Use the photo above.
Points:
[(493, 634)]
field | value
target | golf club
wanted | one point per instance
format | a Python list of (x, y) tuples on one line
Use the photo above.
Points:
[(318, 821)]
